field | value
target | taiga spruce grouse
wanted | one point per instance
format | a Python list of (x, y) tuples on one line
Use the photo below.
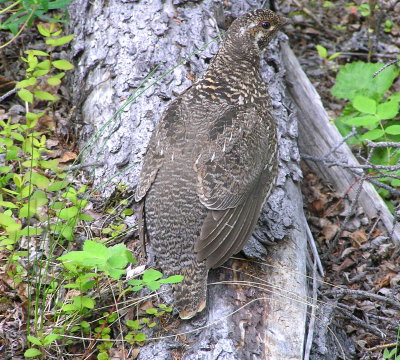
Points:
[(211, 163)]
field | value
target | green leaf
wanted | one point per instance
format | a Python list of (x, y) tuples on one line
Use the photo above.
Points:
[(393, 130), (322, 52), (49, 164), (9, 223), (32, 62), (85, 217), (388, 110), (44, 95), (153, 286), (58, 205), (152, 311), (62, 65), (44, 65), (43, 31), (60, 75), (34, 340), (30, 230), (364, 10), (12, 153), (26, 191), (40, 72), (334, 56), (33, 117), (25, 95), (356, 78), (5, 169), (87, 302), (96, 249), (58, 185), (135, 282), (36, 52), (17, 136), (364, 121), (151, 275), (8, 204), (17, 180), (27, 210), (67, 213), (70, 307), (42, 182), (50, 338), (32, 353), (25, 83), (134, 324), (140, 337), (372, 134), (172, 279), (364, 104), (53, 81), (116, 273), (60, 41)]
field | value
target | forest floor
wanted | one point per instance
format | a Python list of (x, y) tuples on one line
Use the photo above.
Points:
[(362, 267)]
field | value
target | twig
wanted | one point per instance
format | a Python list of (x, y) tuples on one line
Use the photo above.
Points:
[(353, 132), (364, 295), (384, 186), (390, 63), (374, 226), (349, 53), (359, 322), (81, 166), (335, 162), (7, 94), (311, 324), (314, 250), (348, 215), (383, 346), (382, 144)]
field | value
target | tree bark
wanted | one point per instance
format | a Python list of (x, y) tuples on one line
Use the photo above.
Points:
[(116, 45)]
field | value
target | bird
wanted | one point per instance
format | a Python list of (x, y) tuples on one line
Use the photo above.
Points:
[(211, 163)]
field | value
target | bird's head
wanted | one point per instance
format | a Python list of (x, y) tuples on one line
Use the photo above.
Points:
[(252, 32)]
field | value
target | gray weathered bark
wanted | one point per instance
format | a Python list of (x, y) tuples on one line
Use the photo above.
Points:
[(117, 44)]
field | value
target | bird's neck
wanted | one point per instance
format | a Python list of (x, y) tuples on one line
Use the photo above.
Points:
[(232, 56), (234, 70)]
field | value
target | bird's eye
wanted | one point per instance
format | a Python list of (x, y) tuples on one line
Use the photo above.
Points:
[(266, 24)]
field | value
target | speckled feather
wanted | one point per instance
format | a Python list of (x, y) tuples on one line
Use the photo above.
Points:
[(211, 163)]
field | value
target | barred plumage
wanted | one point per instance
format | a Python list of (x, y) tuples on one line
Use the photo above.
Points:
[(211, 163)]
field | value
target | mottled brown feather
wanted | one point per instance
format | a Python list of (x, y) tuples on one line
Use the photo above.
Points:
[(210, 163)]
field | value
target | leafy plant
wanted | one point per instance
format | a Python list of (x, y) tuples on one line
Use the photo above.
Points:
[(152, 279), (109, 260), (391, 354), (388, 26), (364, 10), (41, 342), (24, 12), (323, 53), (370, 110), (26, 189), (31, 88)]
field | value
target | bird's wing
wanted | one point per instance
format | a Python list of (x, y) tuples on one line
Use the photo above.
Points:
[(232, 161), (232, 184), (171, 127)]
